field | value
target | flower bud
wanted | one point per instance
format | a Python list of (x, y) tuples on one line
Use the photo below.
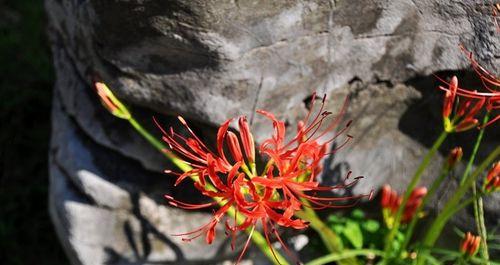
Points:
[(110, 102), (389, 199), (470, 244), (492, 182), (454, 156), (413, 203)]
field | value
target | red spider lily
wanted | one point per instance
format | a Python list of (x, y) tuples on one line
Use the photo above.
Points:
[(492, 182), (413, 203), (196, 153), (490, 81), (286, 185), (390, 201), (464, 117), (470, 244), (223, 192)]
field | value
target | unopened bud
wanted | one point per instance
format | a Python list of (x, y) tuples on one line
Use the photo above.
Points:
[(454, 156), (110, 102), (470, 244), (413, 203), (492, 182)]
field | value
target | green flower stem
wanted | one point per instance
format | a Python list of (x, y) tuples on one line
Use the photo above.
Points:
[(435, 185), (438, 224), (344, 255), (426, 255), (479, 215), (478, 202), (459, 255), (245, 169), (474, 151), (159, 145), (433, 261), (258, 239), (413, 183), (330, 239)]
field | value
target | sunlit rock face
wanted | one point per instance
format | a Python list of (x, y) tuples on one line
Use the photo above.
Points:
[(212, 60)]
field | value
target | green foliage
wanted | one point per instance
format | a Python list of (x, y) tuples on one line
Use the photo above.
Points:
[(357, 231), (353, 234)]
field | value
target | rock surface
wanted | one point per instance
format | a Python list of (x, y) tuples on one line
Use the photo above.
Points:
[(211, 60)]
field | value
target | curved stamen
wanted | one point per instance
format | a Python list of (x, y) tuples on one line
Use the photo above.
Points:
[(186, 205), (184, 123)]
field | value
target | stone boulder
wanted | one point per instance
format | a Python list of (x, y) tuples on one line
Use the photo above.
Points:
[(212, 60)]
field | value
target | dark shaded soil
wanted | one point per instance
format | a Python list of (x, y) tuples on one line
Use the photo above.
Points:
[(26, 233)]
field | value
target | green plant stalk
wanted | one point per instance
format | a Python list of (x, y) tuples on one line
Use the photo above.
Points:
[(438, 224), (474, 151), (258, 239), (479, 216), (344, 255), (433, 261), (425, 254), (478, 202), (457, 254), (432, 190), (330, 239), (158, 145), (414, 181)]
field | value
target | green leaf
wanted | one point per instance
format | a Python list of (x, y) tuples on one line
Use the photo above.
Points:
[(371, 226), (338, 228), (352, 232), (358, 214), (333, 218), (400, 236), (396, 244)]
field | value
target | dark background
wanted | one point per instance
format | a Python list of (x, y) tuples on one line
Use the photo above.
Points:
[(26, 76)]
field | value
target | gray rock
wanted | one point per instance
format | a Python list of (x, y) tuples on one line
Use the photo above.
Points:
[(116, 219), (212, 60)]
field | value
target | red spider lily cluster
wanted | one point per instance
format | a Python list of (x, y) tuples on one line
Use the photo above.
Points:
[(493, 178), (470, 244), (390, 201), (468, 103), (287, 183)]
